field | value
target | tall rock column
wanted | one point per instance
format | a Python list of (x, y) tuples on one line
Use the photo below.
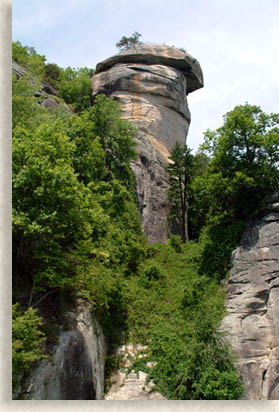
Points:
[(151, 83)]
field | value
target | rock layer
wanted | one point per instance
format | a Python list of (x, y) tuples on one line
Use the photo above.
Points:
[(151, 83), (252, 318), (76, 371)]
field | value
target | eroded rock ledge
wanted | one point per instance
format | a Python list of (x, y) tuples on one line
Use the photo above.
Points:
[(151, 84), (252, 318), (160, 54)]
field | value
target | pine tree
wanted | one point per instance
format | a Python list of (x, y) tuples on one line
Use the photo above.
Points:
[(128, 42), (180, 176)]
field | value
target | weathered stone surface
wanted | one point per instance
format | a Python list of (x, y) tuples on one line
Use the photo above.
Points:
[(20, 71), (252, 318), (151, 83), (131, 386), (159, 54), (76, 371), (49, 103)]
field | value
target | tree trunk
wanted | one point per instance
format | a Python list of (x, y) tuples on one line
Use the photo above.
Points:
[(186, 223)]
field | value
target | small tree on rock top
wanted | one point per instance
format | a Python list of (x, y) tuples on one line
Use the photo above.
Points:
[(128, 42)]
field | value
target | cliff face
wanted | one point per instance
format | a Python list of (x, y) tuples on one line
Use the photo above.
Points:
[(252, 318), (151, 83), (76, 370)]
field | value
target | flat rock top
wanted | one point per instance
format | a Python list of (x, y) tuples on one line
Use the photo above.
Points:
[(163, 55)]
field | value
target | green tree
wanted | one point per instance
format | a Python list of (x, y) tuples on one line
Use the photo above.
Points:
[(27, 342), (52, 73), (198, 199), (180, 172), (76, 227), (116, 136), (73, 192), (52, 210), (74, 86), (241, 175), (24, 103), (244, 160), (128, 42), (29, 58), (186, 356)]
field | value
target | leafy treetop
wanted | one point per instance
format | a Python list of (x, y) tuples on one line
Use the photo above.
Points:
[(244, 159)]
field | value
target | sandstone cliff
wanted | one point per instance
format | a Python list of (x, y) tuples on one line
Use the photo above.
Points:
[(252, 318), (151, 83)]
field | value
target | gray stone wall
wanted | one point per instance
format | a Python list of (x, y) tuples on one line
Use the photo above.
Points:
[(252, 319)]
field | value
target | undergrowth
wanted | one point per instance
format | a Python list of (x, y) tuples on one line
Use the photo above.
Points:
[(177, 311)]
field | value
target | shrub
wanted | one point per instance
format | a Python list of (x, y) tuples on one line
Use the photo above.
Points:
[(27, 342)]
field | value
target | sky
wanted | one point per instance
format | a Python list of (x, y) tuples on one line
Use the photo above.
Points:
[(235, 41)]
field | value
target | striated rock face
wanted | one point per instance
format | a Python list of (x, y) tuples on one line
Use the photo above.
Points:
[(151, 83), (76, 371), (131, 385), (252, 318)]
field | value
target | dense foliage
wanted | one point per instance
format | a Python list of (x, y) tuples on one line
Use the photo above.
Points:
[(240, 172), (180, 170), (180, 311), (76, 228), (29, 59), (243, 167), (72, 85), (27, 341)]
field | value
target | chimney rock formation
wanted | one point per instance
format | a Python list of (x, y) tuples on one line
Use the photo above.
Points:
[(151, 83)]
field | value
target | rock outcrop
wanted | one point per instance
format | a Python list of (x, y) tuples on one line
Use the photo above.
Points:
[(131, 385), (151, 83), (252, 318), (46, 94), (76, 370)]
